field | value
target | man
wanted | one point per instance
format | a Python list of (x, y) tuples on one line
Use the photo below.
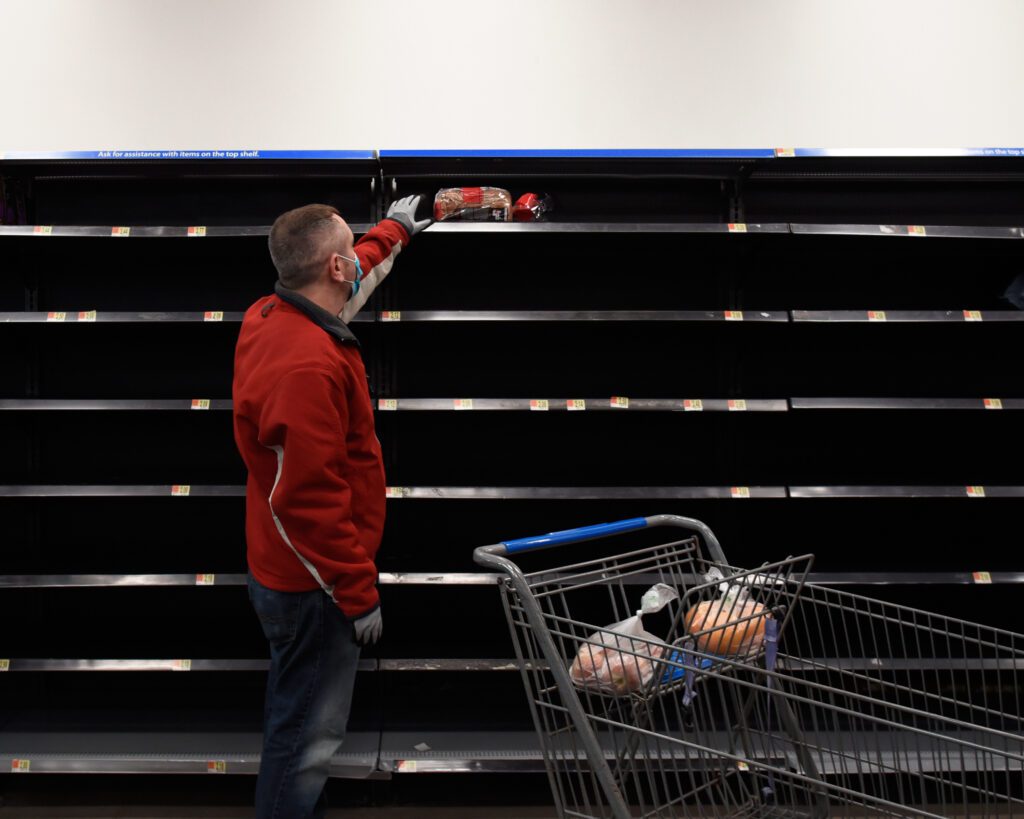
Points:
[(315, 494)]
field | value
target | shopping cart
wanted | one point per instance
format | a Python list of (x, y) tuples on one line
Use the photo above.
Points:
[(836, 705)]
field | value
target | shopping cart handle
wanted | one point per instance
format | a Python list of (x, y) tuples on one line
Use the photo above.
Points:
[(526, 544)]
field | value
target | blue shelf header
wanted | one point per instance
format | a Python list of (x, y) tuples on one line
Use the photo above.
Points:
[(587, 153), (188, 154), (584, 153)]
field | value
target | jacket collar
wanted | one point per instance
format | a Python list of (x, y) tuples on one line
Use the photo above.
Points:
[(320, 317)]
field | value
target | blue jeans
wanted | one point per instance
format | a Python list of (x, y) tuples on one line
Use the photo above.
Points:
[(313, 661)]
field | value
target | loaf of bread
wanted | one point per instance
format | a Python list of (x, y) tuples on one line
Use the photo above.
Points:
[(472, 204), (620, 665)]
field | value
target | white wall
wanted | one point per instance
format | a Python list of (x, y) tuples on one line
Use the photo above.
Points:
[(378, 74)]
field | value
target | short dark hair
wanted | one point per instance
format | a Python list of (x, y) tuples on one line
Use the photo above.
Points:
[(295, 243)]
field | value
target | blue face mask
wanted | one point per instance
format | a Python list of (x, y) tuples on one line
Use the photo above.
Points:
[(359, 274)]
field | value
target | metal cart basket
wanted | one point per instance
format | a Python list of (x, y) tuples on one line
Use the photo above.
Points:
[(829, 704)]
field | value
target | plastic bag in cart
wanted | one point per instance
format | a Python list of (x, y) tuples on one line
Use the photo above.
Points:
[(620, 659), (732, 625)]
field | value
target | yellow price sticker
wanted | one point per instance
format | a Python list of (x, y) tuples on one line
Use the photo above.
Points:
[(693, 405), (742, 766), (539, 405), (737, 227), (213, 315), (87, 315), (740, 491), (42, 230), (576, 404), (391, 315), (206, 579), (21, 765), (975, 491), (734, 315), (5, 665), (387, 404), (973, 315), (181, 490), (181, 665), (196, 230), (917, 230), (463, 403), (620, 402), (982, 577), (876, 315), (216, 766), (120, 231), (200, 403), (993, 403), (737, 405), (56, 316)]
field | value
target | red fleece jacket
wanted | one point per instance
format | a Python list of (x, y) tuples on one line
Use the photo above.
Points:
[(304, 426)]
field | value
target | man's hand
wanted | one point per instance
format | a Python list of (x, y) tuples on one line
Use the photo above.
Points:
[(369, 628), (404, 212)]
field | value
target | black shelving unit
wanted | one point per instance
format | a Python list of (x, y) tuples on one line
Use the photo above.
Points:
[(718, 339)]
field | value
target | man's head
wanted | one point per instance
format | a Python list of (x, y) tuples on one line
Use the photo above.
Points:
[(308, 246)]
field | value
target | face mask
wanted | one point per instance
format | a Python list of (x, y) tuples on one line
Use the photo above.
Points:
[(359, 274)]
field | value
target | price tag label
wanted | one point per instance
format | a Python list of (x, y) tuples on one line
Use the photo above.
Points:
[(693, 405), (200, 403), (737, 405), (196, 230), (216, 766), (993, 403), (982, 577), (407, 766), (973, 315), (876, 315), (181, 490), (56, 316), (737, 227), (206, 579), (975, 491), (740, 491), (181, 665), (5, 665), (742, 766), (785, 153), (87, 315), (21, 766), (734, 315), (619, 402), (539, 405), (42, 230), (391, 315), (463, 403), (396, 491), (387, 404), (576, 404), (916, 230), (120, 231), (213, 315)]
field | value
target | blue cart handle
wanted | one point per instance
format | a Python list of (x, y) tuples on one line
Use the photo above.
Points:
[(529, 544)]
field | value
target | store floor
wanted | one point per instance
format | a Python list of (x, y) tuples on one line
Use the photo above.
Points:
[(444, 796), (148, 812)]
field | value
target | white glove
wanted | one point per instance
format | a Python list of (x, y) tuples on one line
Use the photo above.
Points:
[(404, 212), (369, 628)]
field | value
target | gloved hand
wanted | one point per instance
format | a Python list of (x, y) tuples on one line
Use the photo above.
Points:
[(403, 211), (369, 628)]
